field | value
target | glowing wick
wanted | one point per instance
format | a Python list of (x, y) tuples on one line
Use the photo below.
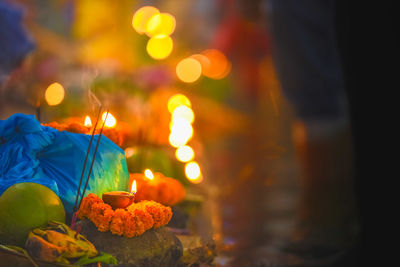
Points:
[(133, 188), (149, 174), (88, 122)]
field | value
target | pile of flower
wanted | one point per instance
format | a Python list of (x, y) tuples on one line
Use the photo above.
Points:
[(132, 221), (165, 190)]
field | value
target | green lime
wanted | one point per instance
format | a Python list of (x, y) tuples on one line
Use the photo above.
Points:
[(26, 206)]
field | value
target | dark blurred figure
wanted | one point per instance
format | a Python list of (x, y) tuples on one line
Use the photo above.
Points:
[(15, 43), (309, 67)]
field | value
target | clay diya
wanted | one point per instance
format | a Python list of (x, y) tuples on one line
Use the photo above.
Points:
[(120, 199)]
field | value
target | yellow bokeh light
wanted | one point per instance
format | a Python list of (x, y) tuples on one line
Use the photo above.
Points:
[(88, 121), (111, 120), (142, 17), (182, 129), (159, 46), (178, 139), (218, 66), (193, 172), (181, 133), (183, 112), (161, 23), (54, 94), (188, 70), (176, 101), (149, 174), (179, 123), (184, 153)]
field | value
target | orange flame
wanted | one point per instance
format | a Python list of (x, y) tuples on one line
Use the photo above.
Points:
[(88, 121), (111, 121)]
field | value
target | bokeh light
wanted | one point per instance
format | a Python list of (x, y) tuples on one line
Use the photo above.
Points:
[(159, 46), (181, 133), (193, 172), (111, 121), (161, 23), (176, 101), (180, 138), (129, 151), (149, 174), (182, 128), (179, 123), (203, 60), (142, 17), (183, 112), (184, 153), (218, 66), (188, 70), (54, 94)]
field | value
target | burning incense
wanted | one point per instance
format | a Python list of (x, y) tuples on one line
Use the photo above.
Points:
[(84, 163), (94, 156)]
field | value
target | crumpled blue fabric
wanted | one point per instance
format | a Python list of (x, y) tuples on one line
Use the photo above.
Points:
[(30, 152)]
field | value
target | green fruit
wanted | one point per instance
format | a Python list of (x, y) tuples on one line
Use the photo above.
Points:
[(26, 206)]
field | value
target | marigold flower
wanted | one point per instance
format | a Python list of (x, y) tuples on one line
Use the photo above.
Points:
[(144, 221), (101, 215), (159, 213), (86, 205), (118, 221), (130, 225)]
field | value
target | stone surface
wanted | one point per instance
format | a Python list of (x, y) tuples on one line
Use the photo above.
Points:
[(156, 247), (196, 251)]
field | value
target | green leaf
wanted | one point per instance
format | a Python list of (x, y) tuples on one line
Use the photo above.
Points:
[(103, 257)]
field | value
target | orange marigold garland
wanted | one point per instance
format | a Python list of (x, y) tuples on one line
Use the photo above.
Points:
[(86, 205), (143, 220), (101, 215), (160, 214), (135, 220), (118, 221)]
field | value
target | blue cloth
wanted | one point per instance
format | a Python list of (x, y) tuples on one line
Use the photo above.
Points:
[(30, 152)]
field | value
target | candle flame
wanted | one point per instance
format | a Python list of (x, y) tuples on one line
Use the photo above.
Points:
[(149, 174), (111, 121), (133, 188), (88, 121)]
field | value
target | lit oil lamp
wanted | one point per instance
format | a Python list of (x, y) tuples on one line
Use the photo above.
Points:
[(88, 122), (120, 199)]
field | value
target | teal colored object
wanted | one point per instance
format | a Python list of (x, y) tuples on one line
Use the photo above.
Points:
[(30, 152)]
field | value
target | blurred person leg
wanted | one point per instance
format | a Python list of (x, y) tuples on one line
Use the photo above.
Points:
[(309, 69)]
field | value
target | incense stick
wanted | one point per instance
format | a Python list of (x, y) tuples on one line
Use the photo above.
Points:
[(94, 156), (84, 163)]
